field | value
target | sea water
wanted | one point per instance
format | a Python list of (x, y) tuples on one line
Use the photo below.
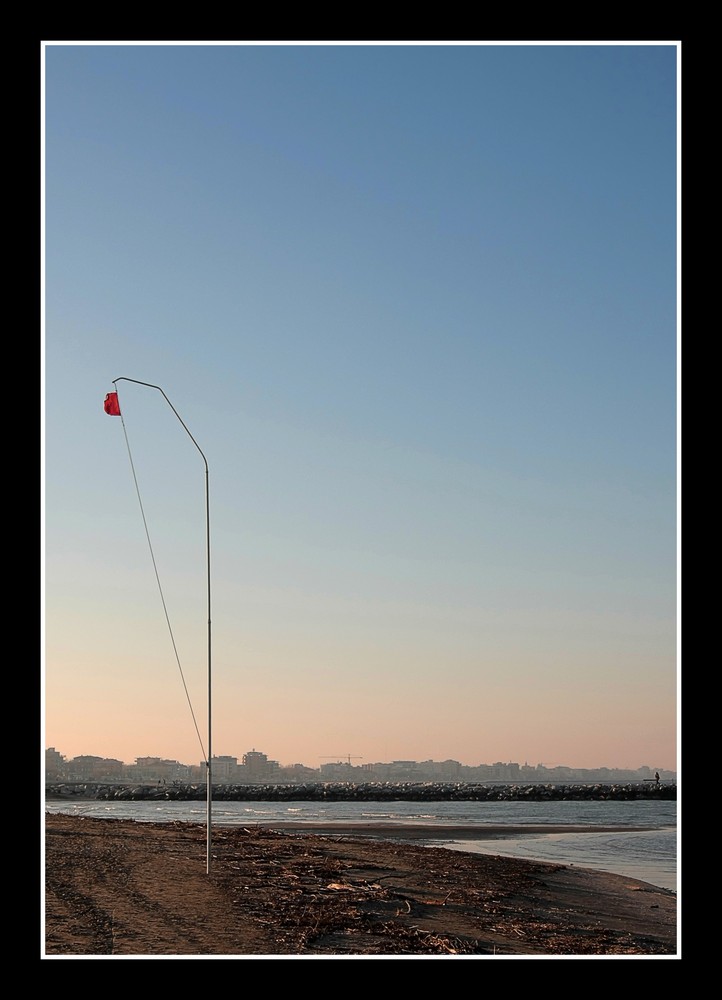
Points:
[(650, 855)]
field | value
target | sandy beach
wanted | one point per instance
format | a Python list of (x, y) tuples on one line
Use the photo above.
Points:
[(120, 888)]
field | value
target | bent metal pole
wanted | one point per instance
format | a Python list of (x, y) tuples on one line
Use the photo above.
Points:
[(209, 785)]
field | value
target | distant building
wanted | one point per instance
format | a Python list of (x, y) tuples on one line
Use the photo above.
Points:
[(55, 765), (257, 767), (224, 769), (297, 774), (156, 769), (89, 768)]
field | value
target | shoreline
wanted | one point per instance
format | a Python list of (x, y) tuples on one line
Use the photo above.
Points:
[(439, 831), (551, 843)]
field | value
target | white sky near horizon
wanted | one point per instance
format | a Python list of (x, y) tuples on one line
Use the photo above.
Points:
[(418, 305)]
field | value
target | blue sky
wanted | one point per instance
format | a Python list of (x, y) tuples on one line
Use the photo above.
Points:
[(417, 304)]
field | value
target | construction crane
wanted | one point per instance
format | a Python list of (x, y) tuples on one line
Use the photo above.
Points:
[(348, 756)]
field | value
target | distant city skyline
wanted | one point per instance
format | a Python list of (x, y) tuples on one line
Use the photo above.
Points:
[(357, 761), (418, 305)]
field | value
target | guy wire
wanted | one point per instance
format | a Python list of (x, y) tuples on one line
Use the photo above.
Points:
[(160, 588)]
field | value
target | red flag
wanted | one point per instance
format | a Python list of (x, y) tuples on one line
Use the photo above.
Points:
[(111, 404)]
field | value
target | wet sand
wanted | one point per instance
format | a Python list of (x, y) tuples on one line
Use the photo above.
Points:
[(440, 831)]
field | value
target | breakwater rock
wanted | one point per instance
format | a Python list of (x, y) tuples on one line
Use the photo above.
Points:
[(382, 791)]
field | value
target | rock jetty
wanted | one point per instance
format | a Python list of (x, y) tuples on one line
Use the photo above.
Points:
[(383, 791)]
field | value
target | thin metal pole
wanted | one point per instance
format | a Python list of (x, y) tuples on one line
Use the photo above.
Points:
[(209, 783)]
